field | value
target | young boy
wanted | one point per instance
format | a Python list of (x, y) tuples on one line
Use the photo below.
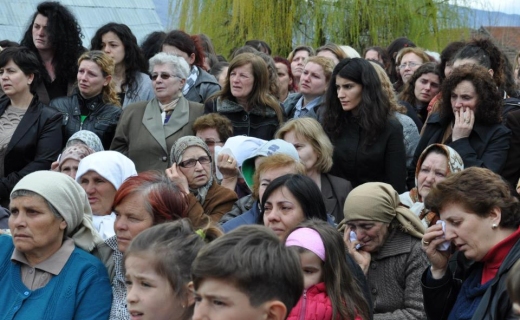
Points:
[(246, 274)]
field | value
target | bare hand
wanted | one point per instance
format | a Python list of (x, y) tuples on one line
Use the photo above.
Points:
[(464, 121), (175, 175), (227, 165), (362, 258), (438, 259)]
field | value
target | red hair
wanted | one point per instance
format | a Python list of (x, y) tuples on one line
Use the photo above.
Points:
[(278, 59), (163, 199)]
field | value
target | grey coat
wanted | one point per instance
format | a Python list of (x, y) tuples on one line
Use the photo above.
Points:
[(394, 278), (144, 90), (411, 136)]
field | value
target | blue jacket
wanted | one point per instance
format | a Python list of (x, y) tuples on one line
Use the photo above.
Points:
[(81, 291)]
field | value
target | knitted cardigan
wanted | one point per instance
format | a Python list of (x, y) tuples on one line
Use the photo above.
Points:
[(80, 291)]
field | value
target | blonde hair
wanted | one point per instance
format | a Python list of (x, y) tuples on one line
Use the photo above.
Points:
[(417, 51), (276, 161), (106, 63), (388, 88), (335, 49), (325, 63), (312, 131)]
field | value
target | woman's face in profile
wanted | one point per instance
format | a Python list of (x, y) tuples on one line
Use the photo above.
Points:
[(282, 212)]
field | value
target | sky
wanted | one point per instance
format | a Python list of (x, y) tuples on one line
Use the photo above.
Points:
[(506, 6)]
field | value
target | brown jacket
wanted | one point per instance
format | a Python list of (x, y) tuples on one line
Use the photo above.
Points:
[(219, 200), (141, 136)]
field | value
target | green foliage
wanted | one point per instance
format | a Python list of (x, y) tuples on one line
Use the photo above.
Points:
[(285, 23)]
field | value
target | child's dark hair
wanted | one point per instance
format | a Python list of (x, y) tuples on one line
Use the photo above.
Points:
[(170, 249), (304, 190), (342, 288), (253, 259)]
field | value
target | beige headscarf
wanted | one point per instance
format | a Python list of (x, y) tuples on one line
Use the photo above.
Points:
[(376, 201), (69, 199)]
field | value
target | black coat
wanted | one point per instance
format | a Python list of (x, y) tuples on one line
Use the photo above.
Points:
[(486, 146), (102, 119), (383, 161), (440, 295), (511, 171), (35, 144)]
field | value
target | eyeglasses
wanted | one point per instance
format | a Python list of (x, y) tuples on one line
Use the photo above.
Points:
[(192, 162), (409, 64), (211, 142), (164, 76)]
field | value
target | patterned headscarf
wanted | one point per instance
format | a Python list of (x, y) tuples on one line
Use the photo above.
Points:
[(89, 138), (376, 201), (176, 156), (75, 152), (455, 164), (69, 199)]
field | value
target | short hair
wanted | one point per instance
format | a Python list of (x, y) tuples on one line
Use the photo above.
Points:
[(260, 93), (309, 49), (408, 93), (392, 51), (186, 43), (447, 55), (170, 249), (26, 60), (163, 199), (489, 106), (216, 121), (276, 161), (259, 45), (513, 283), (253, 260), (388, 88), (134, 59), (8, 43), (106, 63), (478, 190), (325, 63), (415, 50), (335, 49), (64, 34), (152, 44), (382, 54), (312, 131), (179, 66), (217, 68), (304, 190)]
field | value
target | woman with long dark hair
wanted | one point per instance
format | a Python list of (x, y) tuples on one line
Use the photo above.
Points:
[(131, 82), (367, 138), (54, 36)]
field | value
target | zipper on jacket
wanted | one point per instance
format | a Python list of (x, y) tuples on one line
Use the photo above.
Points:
[(304, 305)]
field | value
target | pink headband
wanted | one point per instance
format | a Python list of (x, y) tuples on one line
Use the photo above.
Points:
[(307, 238)]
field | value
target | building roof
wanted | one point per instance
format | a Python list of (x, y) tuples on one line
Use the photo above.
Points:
[(507, 38), (138, 15)]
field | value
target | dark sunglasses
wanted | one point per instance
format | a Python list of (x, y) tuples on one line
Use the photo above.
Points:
[(192, 162), (164, 76)]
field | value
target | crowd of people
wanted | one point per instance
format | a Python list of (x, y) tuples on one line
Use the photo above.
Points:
[(162, 181)]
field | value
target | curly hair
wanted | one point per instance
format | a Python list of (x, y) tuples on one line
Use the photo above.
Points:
[(187, 44), (107, 68), (489, 106), (64, 34), (486, 54), (408, 93), (221, 124), (374, 108), (478, 190), (134, 59)]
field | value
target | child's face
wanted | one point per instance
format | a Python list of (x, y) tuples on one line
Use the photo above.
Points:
[(312, 268), (217, 299), (149, 295)]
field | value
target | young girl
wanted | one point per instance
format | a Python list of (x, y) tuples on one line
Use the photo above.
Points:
[(158, 270), (331, 291)]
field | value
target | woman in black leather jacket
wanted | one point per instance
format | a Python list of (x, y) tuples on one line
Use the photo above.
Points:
[(94, 105)]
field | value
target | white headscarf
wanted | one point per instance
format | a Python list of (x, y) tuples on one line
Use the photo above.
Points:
[(111, 165), (69, 199)]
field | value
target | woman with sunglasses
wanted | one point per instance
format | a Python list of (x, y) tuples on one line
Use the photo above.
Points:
[(147, 130), (192, 170)]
